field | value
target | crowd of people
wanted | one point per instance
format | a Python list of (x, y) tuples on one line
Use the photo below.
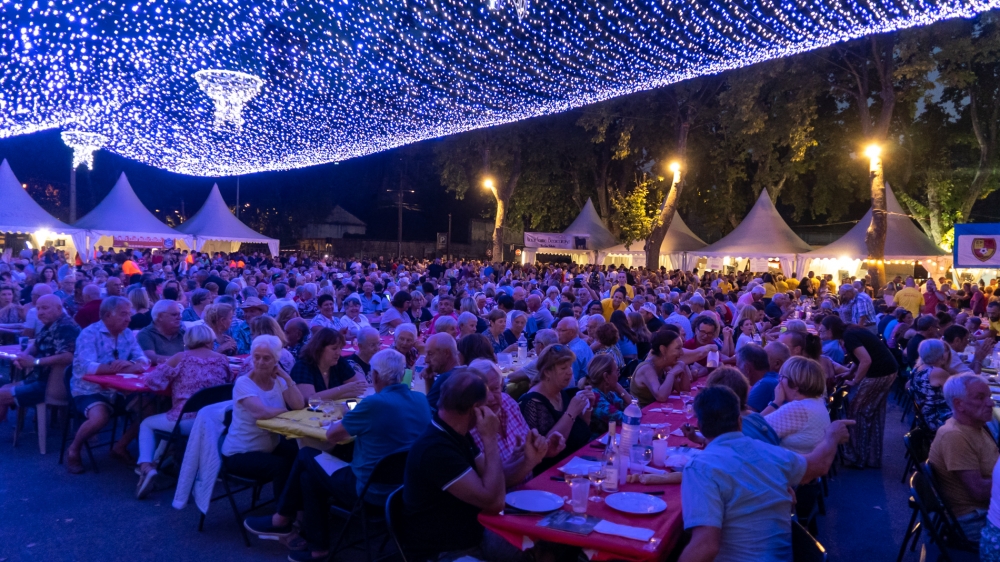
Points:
[(771, 350)]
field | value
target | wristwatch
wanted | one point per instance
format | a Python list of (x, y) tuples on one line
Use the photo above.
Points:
[(773, 405)]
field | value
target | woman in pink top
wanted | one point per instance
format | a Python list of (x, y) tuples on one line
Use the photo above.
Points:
[(184, 374)]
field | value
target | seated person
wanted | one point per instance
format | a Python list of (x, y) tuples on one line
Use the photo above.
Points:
[(249, 450), (798, 412), (753, 362), (441, 360), (753, 424), (383, 423), (927, 384), (320, 372), (369, 344), (449, 480), (184, 374), (736, 495), (105, 347), (353, 321), (663, 371), (405, 342), (602, 377), (963, 452), (521, 378), (267, 326), (49, 355), (164, 338), (521, 449), (550, 406)]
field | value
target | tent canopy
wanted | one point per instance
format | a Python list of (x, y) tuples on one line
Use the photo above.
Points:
[(122, 214), (761, 234), (588, 223), (903, 239), (214, 221), (20, 213), (679, 238)]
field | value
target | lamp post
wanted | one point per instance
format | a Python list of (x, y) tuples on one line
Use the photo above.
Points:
[(875, 237), (498, 222), (663, 219)]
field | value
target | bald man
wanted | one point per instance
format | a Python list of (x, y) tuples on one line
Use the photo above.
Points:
[(48, 356), (442, 358), (32, 325), (568, 331)]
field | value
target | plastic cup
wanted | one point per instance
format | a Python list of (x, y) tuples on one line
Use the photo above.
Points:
[(659, 452), (579, 493)]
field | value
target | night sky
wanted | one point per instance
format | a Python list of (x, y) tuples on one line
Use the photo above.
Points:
[(359, 185)]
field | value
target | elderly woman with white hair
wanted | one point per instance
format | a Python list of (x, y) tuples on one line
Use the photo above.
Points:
[(446, 325), (467, 322), (383, 423), (265, 393), (406, 342), (184, 374), (308, 307), (929, 376)]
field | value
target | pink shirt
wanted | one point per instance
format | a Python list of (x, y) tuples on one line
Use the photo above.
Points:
[(189, 376)]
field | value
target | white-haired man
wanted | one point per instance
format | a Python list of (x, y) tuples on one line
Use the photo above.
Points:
[(164, 338), (386, 422), (568, 331), (964, 453)]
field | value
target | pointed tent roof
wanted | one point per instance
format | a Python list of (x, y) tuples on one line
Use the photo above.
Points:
[(761, 234), (679, 238), (20, 213), (589, 223), (214, 221), (121, 213), (903, 240)]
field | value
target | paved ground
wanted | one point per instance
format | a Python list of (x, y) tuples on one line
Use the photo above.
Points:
[(47, 514)]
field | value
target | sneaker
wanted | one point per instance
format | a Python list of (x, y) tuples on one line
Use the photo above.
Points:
[(304, 556), (146, 485), (262, 527)]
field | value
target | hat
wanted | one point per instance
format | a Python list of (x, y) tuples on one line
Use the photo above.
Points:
[(649, 307), (253, 302)]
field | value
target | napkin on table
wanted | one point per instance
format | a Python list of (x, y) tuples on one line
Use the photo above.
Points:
[(637, 533)]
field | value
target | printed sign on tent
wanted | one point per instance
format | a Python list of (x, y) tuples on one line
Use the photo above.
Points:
[(715, 264), (976, 245), (551, 240), (758, 265)]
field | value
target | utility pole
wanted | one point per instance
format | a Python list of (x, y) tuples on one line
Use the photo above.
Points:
[(448, 244), (399, 226), (237, 197), (72, 194)]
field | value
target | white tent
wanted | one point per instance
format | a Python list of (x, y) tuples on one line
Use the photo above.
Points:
[(677, 243), (20, 213), (588, 224), (904, 242), (761, 234), (214, 223), (122, 215)]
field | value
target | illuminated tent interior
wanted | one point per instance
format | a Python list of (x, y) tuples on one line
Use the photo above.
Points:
[(122, 214), (19, 213), (677, 243), (215, 229), (587, 224), (905, 243)]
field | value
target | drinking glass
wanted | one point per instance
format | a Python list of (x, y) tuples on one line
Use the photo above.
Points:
[(596, 476), (314, 403), (641, 455), (689, 411), (645, 436), (579, 489)]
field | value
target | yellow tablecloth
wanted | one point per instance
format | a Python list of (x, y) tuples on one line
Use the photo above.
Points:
[(298, 424)]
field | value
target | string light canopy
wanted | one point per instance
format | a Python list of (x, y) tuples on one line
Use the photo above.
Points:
[(84, 146), (230, 90), (345, 78)]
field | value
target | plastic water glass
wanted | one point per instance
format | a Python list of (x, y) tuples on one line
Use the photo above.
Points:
[(314, 403), (645, 436), (641, 455), (579, 492)]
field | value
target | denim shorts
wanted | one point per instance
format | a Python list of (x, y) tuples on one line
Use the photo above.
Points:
[(116, 402), (27, 395)]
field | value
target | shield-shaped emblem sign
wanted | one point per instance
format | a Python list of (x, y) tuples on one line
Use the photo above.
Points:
[(984, 248)]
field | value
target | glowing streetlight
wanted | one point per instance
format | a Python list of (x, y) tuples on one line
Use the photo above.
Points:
[(674, 167), (488, 184), (873, 151)]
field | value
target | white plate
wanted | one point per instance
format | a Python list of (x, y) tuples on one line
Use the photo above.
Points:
[(635, 503), (538, 501)]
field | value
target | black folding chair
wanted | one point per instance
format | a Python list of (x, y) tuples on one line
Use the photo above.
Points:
[(243, 483), (202, 398), (75, 417), (388, 472), (936, 516), (805, 548), (918, 447), (394, 521)]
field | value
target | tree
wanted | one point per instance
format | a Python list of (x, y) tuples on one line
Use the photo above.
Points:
[(633, 213)]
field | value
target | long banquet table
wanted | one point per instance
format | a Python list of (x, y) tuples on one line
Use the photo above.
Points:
[(667, 526)]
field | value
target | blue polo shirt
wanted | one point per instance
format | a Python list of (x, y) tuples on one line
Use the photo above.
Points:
[(743, 487), (763, 391), (583, 357), (381, 424)]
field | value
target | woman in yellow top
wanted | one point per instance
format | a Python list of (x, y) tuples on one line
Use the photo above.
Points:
[(724, 286), (779, 283), (769, 288)]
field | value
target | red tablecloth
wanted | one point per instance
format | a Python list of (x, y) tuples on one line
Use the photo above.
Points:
[(352, 347), (123, 384), (667, 526)]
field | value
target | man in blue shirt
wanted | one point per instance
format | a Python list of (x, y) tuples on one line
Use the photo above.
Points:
[(752, 361), (736, 495), (568, 331), (371, 303), (388, 421)]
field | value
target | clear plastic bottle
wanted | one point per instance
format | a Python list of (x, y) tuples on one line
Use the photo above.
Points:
[(522, 349), (631, 420)]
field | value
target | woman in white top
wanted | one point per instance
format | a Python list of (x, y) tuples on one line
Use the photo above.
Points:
[(798, 413), (268, 391), (396, 313), (748, 333), (352, 320)]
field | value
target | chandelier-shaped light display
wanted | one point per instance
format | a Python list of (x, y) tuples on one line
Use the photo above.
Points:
[(84, 146), (344, 78), (230, 90)]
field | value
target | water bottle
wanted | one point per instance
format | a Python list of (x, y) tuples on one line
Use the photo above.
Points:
[(631, 420), (522, 349)]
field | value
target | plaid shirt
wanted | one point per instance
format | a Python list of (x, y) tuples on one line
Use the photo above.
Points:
[(860, 306), (512, 427)]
